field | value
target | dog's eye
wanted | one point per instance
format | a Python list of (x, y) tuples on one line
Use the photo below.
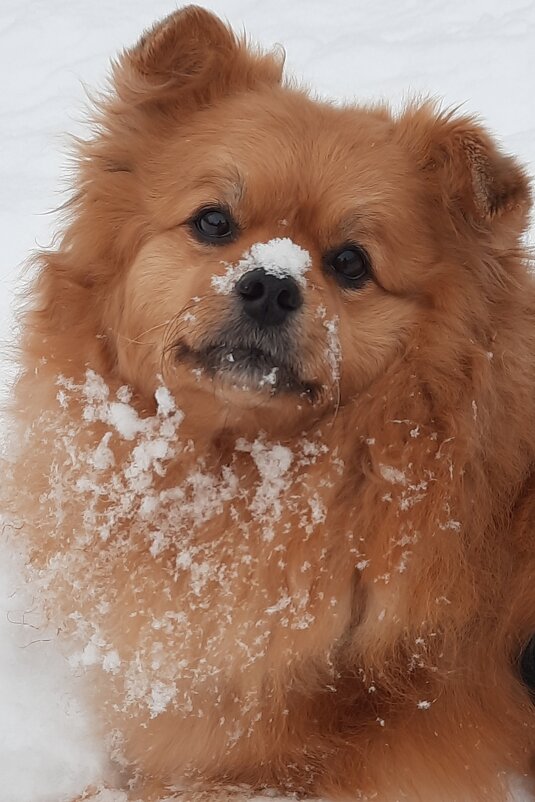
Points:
[(214, 225), (351, 265), (527, 665)]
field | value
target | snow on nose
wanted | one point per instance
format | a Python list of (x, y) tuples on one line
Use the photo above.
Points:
[(280, 257)]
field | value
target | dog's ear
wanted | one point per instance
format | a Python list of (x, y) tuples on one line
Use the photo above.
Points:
[(191, 56), (464, 168)]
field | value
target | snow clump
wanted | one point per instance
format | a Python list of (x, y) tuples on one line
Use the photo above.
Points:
[(280, 257)]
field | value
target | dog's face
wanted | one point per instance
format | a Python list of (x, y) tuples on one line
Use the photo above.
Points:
[(288, 248), (282, 241)]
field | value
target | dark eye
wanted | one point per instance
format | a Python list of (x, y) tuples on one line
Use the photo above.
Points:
[(527, 666), (214, 225), (351, 265)]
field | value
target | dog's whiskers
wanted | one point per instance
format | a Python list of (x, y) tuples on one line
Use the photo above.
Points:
[(171, 336), (138, 340)]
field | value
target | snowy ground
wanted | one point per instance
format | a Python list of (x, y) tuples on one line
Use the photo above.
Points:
[(480, 53)]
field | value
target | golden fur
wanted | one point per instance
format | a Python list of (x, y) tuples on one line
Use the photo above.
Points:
[(417, 582)]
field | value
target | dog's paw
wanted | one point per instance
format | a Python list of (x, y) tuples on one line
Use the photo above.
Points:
[(210, 794), (147, 793), (101, 794), (214, 793), (106, 794)]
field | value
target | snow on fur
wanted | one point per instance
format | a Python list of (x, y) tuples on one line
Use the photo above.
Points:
[(110, 493)]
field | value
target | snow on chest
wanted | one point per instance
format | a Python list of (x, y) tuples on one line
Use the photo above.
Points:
[(230, 561)]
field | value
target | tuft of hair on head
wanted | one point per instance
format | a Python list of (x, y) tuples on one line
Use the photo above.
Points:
[(193, 57)]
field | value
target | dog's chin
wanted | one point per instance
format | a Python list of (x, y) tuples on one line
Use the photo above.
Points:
[(242, 373)]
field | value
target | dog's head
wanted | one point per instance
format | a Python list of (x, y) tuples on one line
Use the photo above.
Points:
[(268, 254)]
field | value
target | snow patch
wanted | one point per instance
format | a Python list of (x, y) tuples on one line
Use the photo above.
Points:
[(47, 748), (392, 475), (280, 257)]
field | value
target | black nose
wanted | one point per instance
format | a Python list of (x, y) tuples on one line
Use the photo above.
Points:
[(267, 299)]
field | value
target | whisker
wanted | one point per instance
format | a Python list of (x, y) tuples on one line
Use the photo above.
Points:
[(174, 326), (337, 405), (138, 340)]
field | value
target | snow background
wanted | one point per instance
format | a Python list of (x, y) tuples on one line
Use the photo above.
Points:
[(480, 54)]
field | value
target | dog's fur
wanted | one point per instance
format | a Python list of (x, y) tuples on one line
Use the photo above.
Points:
[(418, 579)]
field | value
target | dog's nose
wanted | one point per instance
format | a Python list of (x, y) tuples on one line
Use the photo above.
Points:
[(268, 299)]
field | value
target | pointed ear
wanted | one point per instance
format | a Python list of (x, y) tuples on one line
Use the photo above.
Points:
[(464, 167), (191, 56)]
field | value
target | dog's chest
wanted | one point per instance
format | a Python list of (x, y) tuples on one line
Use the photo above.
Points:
[(222, 576)]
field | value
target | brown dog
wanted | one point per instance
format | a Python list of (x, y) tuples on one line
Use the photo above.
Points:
[(277, 416)]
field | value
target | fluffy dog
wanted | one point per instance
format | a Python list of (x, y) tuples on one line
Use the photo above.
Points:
[(276, 435)]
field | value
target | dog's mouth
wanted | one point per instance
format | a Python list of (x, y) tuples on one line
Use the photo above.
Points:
[(247, 368)]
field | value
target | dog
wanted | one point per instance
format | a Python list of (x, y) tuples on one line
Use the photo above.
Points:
[(275, 436)]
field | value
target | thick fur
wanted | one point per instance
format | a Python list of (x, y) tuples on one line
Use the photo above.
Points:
[(419, 578)]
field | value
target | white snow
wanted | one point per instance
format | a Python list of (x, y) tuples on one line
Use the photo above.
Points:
[(273, 463), (106, 795), (481, 54), (424, 704), (119, 414), (269, 378), (47, 751), (278, 257), (392, 475)]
